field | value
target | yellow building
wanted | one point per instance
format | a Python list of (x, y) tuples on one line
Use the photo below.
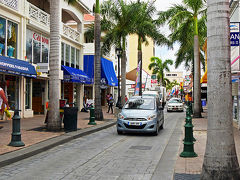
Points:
[(147, 53)]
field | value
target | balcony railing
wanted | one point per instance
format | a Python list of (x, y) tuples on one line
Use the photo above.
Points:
[(71, 33), (10, 3), (38, 15)]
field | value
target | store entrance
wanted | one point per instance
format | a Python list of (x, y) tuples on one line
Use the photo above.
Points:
[(37, 96)]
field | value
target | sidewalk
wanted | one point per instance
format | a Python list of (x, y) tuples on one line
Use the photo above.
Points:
[(33, 130), (190, 168)]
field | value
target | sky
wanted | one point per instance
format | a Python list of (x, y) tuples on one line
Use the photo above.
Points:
[(163, 52)]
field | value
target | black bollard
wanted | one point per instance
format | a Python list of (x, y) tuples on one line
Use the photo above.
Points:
[(16, 133)]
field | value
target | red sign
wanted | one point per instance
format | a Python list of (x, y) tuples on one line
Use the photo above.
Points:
[(38, 37), (133, 85), (154, 81)]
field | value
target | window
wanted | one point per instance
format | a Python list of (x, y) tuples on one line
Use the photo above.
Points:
[(12, 39), (2, 36), (70, 56), (67, 55), (77, 58), (37, 47), (174, 74), (27, 93), (62, 53), (168, 74), (73, 57), (8, 38)]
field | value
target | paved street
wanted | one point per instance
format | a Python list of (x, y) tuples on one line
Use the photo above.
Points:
[(106, 155)]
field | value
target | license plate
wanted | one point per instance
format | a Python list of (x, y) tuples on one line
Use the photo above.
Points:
[(135, 123)]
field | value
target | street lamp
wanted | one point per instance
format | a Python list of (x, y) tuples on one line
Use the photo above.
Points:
[(119, 54)]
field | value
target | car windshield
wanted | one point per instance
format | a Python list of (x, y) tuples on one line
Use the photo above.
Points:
[(143, 103), (175, 101)]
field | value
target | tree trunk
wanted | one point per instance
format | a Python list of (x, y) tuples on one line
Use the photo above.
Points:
[(54, 122), (97, 65), (220, 160), (123, 77), (197, 85)]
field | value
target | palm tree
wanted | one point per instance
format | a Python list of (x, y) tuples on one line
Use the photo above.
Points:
[(185, 16), (220, 159), (54, 122), (117, 20), (97, 64), (145, 26), (159, 67)]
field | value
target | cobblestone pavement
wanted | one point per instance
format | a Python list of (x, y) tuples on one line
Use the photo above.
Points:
[(103, 155)]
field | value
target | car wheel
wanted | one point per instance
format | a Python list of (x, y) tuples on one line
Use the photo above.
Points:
[(119, 132), (156, 132)]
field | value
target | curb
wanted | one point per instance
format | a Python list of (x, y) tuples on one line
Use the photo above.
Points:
[(37, 148)]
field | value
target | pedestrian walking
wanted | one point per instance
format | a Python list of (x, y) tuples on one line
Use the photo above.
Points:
[(107, 98), (110, 104), (3, 103), (126, 98)]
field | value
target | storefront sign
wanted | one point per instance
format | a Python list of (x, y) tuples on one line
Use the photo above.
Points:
[(134, 85), (42, 67), (235, 89), (234, 33), (154, 81)]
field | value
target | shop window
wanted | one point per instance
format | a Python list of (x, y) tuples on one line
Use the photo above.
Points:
[(37, 47), (67, 55), (12, 39), (45, 49), (12, 88), (2, 36), (72, 57), (77, 58), (27, 93)]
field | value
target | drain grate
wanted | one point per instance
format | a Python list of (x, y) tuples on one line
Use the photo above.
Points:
[(141, 147), (178, 176)]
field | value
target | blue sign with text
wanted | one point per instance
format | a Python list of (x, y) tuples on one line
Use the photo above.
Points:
[(234, 38)]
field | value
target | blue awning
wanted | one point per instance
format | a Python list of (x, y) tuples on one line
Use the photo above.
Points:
[(75, 75), (108, 74), (16, 66)]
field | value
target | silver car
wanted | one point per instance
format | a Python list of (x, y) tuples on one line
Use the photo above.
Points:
[(141, 114)]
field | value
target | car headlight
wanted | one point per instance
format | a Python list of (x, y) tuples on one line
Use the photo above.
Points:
[(151, 117), (120, 116)]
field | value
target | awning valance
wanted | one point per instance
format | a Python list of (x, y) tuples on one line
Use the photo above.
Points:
[(75, 75), (16, 66), (204, 78), (108, 75)]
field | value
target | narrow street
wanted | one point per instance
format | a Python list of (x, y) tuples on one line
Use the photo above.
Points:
[(106, 155)]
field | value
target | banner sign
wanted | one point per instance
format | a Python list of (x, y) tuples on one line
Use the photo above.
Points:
[(234, 33), (138, 79)]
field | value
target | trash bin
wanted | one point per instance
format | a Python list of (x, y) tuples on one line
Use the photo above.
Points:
[(70, 118), (203, 102)]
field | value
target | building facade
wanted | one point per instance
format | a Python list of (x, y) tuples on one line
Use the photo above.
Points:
[(25, 38)]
